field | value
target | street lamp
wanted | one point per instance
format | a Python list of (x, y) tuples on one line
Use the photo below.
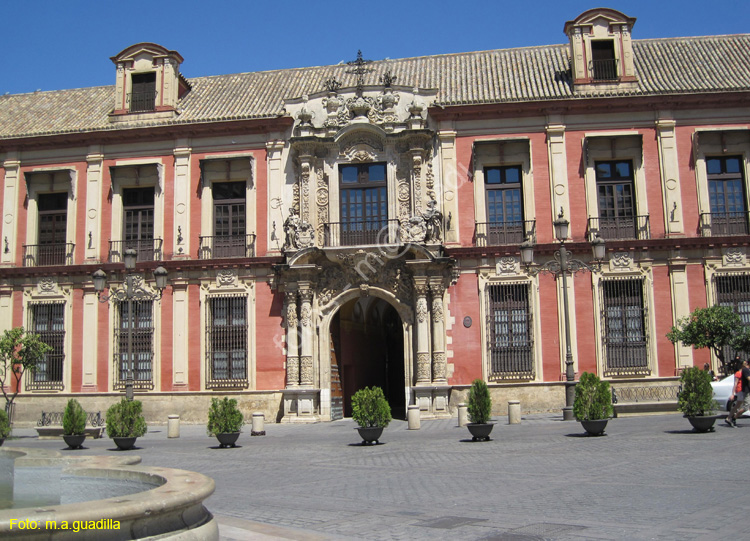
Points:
[(133, 291), (561, 266)]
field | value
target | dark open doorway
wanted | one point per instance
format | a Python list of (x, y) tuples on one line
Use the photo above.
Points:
[(367, 349)]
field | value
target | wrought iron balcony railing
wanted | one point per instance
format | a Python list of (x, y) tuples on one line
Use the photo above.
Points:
[(44, 255), (360, 233), (504, 233), (142, 101), (619, 228), (146, 250), (603, 70), (718, 224), (222, 246)]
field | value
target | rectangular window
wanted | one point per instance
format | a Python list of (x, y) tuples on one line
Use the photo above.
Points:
[(47, 320), (53, 220), (138, 221), (226, 342), (229, 239), (364, 203), (134, 345), (733, 290), (143, 95), (624, 337), (726, 195), (505, 223), (603, 63), (616, 197), (510, 333)]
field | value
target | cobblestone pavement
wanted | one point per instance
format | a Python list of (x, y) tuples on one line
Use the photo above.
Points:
[(650, 477)]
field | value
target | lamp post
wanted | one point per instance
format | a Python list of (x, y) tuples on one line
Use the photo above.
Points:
[(132, 291), (561, 266)]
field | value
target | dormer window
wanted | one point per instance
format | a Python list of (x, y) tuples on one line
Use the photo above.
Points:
[(603, 62), (143, 96)]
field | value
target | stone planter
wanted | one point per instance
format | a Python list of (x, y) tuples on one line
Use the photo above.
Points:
[(370, 434), (595, 427), (703, 423), (74, 441), (227, 439), (123, 443), (480, 431)]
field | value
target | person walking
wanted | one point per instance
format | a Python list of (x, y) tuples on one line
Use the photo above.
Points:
[(740, 395)]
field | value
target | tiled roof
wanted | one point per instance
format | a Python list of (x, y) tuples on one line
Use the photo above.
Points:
[(663, 66)]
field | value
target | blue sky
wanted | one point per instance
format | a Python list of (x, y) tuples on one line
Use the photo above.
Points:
[(54, 44)]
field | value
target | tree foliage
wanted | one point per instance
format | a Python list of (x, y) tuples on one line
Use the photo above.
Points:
[(479, 406), (19, 352), (224, 417), (715, 328), (593, 398), (370, 408), (696, 394), (74, 418), (125, 419)]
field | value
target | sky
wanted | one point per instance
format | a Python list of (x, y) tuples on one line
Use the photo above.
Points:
[(59, 44)]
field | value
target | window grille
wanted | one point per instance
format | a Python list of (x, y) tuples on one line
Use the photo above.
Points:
[(48, 321), (510, 332), (733, 290), (226, 342), (139, 329), (624, 327)]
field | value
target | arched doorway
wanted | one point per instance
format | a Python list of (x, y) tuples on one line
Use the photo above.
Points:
[(367, 349)]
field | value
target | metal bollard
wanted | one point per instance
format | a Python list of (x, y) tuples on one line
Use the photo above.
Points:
[(173, 426), (412, 417), (514, 412), (258, 428), (463, 415)]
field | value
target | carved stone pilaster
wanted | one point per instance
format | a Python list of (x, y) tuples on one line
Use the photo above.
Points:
[(306, 370), (423, 367), (423, 331), (292, 371), (292, 340), (439, 370), (439, 366), (421, 309), (306, 335)]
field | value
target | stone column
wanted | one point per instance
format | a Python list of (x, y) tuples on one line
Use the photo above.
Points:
[(558, 167), (424, 376), (88, 360), (94, 161), (292, 339), (10, 205), (306, 337), (275, 205), (438, 331), (182, 195), (670, 177)]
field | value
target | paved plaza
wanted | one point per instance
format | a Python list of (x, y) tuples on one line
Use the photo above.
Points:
[(650, 477)]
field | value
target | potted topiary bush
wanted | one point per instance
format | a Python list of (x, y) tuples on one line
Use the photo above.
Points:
[(695, 399), (4, 426), (224, 421), (371, 411), (593, 404), (125, 423), (74, 424), (479, 409)]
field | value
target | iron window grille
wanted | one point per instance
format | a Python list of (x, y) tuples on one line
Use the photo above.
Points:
[(510, 332), (624, 327), (733, 290), (226, 342), (139, 328), (47, 319)]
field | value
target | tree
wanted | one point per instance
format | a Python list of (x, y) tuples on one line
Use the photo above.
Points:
[(19, 351), (715, 328)]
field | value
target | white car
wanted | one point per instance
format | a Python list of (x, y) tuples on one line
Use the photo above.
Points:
[(723, 392)]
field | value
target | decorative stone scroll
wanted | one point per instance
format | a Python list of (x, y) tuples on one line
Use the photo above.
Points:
[(735, 256)]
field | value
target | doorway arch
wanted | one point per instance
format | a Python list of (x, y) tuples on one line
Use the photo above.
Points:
[(367, 349)]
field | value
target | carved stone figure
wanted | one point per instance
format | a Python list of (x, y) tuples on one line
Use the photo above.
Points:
[(433, 221), (291, 224)]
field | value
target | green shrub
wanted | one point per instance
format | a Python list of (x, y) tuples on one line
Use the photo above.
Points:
[(4, 424), (479, 406), (696, 394), (125, 419), (74, 418), (593, 399), (370, 408), (224, 417)]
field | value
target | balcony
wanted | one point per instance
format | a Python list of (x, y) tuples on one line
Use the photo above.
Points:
[(146, 250), (46, 255), (719, 224), (619, 228), (223, 246), (504, 233), (360, 233), (142, 101), (603, 70)]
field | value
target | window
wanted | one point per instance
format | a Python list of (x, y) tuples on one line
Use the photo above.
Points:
[(510, 333), (616, 197), (138, 222), (603, 65), (52, 248), (226, 342), (726, 195), (504, 205), (47, 320), (733, 290), (364, 203), (143, 95), (229, 219), (624, 327), (134, 344)]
